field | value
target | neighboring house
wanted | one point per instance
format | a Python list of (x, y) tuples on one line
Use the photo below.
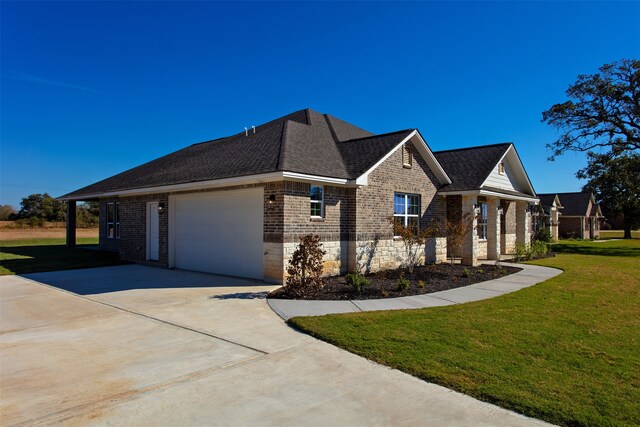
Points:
[(238, 205), (581, 215), (549, 212)]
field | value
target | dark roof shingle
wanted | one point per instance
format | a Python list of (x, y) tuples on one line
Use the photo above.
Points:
[(575, 204), (304, 141), (468, 168)]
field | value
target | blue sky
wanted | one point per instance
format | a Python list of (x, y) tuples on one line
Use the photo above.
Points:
[(89, 89)]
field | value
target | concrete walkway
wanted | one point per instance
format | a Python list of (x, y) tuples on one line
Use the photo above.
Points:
[(139, 346), (529, 276)]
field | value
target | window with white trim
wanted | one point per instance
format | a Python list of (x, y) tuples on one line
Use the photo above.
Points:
[(317, 201), (113, 221), (482, 219), (406, 210)]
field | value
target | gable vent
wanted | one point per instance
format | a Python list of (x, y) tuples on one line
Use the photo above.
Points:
[(406, 156)]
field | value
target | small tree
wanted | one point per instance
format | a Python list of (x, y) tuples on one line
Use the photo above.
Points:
[(456, 231), (305, 266), (414, 240)]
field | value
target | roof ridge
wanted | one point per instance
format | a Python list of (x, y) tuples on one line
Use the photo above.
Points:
[(474, 147), (283, 141), (377, 135), (331, 129)]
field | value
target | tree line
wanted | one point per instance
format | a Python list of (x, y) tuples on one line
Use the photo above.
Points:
[(38, 209)]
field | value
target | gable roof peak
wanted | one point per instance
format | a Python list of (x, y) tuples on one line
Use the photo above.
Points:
[(476, 147)]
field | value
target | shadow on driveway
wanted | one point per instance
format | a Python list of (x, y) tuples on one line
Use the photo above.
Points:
[(133, 276)]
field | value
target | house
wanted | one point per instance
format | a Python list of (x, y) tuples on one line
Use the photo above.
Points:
[(549, 211), (581, 215), (238, 205)]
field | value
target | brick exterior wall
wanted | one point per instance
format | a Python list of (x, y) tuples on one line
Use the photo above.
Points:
[(106, 244), (374, 245)]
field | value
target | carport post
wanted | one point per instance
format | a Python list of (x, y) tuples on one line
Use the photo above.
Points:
[(71, 223)]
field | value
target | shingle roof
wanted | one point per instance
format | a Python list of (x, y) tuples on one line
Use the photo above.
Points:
[(575, 204), (468, 168), (304, 141), (546, 200)]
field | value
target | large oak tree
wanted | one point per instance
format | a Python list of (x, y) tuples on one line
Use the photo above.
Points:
[(602, 112)]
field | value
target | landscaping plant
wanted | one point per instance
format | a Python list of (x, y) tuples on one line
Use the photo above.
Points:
[(456, 232), (357, 281), (305, 266), (542, 235), (413, 239), (403, 283)]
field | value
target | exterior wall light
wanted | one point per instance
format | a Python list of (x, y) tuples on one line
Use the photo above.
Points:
[(161, 207), (272, 198), (500, 211)]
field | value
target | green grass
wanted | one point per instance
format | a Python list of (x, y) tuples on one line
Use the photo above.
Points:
[(566, 350), (618, 234), (37, 255)]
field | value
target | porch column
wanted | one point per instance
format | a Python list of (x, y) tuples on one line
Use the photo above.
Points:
[(71, 223), (554, 223), (470, 247), (523, 223), (493, 229)]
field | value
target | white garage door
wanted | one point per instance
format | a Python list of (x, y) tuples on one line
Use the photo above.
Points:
[(219, 232)]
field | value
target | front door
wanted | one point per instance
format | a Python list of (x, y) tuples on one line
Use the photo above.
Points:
[(153, 232)]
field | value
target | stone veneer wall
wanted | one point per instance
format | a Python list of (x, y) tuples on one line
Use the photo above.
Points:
[(374, 245), (508, 227), (482, 249)]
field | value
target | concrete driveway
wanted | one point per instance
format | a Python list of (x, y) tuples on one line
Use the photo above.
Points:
[(135, 345)]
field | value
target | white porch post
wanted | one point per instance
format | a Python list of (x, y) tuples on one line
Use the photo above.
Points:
[(523, 223), (554, 223), (493, 228), (470, 247)]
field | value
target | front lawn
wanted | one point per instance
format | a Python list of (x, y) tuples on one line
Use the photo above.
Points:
[(37, 255), (566, 350)]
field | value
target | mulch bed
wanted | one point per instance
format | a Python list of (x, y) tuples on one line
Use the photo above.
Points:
[(384, 284)]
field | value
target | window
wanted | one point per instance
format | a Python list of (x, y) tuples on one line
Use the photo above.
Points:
[(406, 210), (482, 220), (406, 156), (113, 220), (317, 201), (501, 168)]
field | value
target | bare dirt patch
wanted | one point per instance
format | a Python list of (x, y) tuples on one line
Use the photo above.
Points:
[(43, 233)]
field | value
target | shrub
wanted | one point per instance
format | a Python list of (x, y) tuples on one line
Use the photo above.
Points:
[(539, 249), (536, 249), (542, 235), (421, 284), (522, 252), (357, 281), (305, 266), (466, 273), (403, 283)]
